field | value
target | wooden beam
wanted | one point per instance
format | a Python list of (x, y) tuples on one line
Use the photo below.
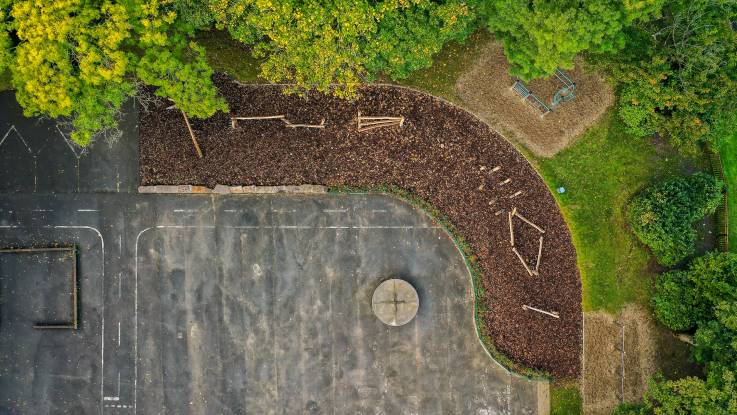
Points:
[(529, 271), (549, 313), (191, 134), (529, 222)]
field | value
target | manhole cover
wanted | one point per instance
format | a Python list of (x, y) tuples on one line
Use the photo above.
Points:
[(395, 302)]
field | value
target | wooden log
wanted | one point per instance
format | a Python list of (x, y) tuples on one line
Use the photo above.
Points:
[(549, 313), (290, 125), (382, 122), (362, 129), (265, 117), (519, 192), (191, 134), (539, 255), (31, 250), (505, 182), (529, 271), (496, 169), (529, 222), (511, 230)]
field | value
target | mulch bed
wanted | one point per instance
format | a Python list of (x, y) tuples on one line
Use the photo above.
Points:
[(442, 154)]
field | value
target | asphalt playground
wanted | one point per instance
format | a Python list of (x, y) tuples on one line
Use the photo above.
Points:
[(207, 304)]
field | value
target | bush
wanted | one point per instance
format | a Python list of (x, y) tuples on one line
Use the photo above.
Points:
[(687, 299), (675, 301), (661, 216)]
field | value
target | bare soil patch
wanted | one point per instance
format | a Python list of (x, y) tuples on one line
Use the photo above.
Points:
[(486, 91), (442, 154), (649, 348)]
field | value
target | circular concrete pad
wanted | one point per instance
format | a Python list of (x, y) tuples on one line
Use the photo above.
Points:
[(395, 302)]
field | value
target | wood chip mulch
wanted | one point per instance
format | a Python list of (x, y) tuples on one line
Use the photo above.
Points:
[(442, 154)]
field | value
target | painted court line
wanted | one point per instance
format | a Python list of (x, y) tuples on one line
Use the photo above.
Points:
[(102, 307)]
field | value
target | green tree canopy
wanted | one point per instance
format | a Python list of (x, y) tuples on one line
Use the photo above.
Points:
[(703, 297), (334, 45), (679, 73), (542, 35), (684, 299), (662, 215), (83, 58)]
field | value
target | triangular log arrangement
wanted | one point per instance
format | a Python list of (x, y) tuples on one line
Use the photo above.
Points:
[(366, 123)]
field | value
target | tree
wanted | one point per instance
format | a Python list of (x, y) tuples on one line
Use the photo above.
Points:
[(685, 299), (661, 215), (679, 75), (5, 41), (332, 45), (541, 35), (691, 395), (707, 291), (716, 340), (82, 59)]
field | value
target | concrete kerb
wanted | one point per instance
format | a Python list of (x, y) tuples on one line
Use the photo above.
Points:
[(226, 190)]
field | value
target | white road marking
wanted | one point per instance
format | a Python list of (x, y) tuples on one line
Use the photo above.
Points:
[(12, 128), (118, 346), (111, 398), (43, 210), (87, 210), (335, 210), (72, 146), (102, 330)]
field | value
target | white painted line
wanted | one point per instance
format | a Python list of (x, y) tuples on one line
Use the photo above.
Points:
[(118, 346), (120, 285), (102, 307), (378, 211), (120, 246), (111, 398), (72, 146), (43, 210), (335, 210), (12, 128), (87, 210), (184, 210)]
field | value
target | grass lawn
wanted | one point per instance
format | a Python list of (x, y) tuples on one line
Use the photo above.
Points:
[(565, 400), (600, 173), (728, 151), (448, 65)]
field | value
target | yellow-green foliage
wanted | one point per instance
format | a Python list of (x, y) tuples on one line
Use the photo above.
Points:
[(332, 46), (5, 44), (79, 59)]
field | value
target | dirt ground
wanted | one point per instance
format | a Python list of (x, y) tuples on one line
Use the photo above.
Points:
[(486, 91), (441, 154), (648, 349)]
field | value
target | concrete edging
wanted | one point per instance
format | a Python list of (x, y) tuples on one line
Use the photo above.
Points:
[(224, 190)]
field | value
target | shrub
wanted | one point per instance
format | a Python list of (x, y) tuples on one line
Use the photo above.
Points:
[(687, 299), (661, 216), (675, 301)]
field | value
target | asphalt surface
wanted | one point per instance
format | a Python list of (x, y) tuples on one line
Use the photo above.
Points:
[(209, 304)]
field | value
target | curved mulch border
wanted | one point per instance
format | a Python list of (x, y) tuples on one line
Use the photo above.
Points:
[(442, 155)]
